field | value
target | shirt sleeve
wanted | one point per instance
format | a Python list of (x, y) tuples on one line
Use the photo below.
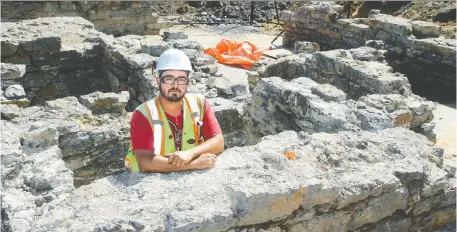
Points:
[(211, 126), (141, 132)]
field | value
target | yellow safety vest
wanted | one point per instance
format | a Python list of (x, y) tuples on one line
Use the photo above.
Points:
[(164, 142)]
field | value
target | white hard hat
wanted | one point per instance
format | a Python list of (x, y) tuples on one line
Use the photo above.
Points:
[(173, 59)]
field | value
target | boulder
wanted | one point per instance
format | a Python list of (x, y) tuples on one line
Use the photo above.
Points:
[(99, 102), (423, 28)]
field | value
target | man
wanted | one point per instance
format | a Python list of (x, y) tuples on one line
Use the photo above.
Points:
[(174, 131)]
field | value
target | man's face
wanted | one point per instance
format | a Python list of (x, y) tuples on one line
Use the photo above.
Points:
[(173, 85)]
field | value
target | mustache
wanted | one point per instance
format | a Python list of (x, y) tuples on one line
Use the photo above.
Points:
[(174, 89)]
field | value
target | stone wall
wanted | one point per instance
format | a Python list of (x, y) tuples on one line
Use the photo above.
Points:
[(347, 181), (116, 18), (357, 72), (429, 64), (100, 70), (64, 59), (414, 48), (353, 171), (71, 58), (304, 105)]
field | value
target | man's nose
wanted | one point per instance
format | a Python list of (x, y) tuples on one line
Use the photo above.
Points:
[(175, 83)]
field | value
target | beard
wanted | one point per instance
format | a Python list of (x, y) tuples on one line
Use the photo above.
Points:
[(172, 97)]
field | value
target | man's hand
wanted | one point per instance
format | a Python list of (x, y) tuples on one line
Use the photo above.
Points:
[(179, 158), (204, 161)]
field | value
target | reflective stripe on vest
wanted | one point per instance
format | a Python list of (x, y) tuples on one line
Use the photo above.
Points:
[(193, 111), (157, 126), (195, 115)]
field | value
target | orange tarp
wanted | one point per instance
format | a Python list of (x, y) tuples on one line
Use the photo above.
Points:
[(230, 52)]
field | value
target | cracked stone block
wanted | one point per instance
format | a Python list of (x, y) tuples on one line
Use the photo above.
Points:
[(12, 71), (14, 92), (186, 44), (174, 35), (210, 69), (306, 47), (329, 93), (204, 59), (23, 102), (8, 48), (100, 102), (226, 88), (390, 24), (377, 44), (423, 28), (10, 111), (155, 49)]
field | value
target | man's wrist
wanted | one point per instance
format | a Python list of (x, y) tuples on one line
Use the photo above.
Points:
[(192, 154), (191, 165)]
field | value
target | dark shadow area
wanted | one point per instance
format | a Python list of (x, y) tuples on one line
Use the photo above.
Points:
[(426, 81)]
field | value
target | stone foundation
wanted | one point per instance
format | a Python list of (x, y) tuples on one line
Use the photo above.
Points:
[(343, 182), (112, 18), (343, 113), (414, 48), (59, 62)]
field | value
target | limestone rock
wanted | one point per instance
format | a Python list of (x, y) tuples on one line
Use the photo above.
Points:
[(381, 207), (287, 68), (186, 44), (8, 49), (352, 170), (198, 76), (229, 114), (226, 88), (210, 69), (362, 77), (174, 35), (23, 102), (253, 79), (40, 139), (67, 107), (100, 102), (139, 61), (368, 54), (156, 48), (14, 92), (12, 71), (191, 53), (423, 28), (328, 93), (305, 108), (11, 74), (391, 224), (390, 24), (378, 44), (306, 47), (10, 112), (278, 105), (204, 59), (441, 200), (276, 196), (333, 222)]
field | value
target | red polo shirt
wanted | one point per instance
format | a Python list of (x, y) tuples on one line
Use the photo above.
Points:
[(143, 138)]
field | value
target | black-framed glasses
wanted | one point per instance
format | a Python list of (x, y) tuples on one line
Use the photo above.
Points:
[(171, 80)]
